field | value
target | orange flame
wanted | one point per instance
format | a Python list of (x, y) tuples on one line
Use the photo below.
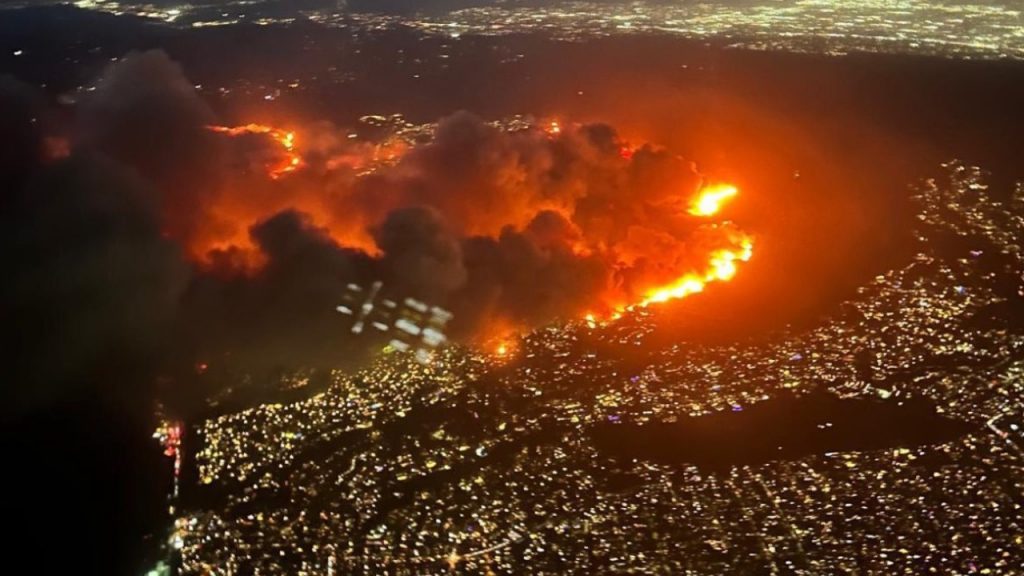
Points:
[(721, 268), (721, 265), (292, 160), (711, 198)]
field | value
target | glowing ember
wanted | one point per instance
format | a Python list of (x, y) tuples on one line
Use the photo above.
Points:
[(673, 274), (710, 200), (292, 160)]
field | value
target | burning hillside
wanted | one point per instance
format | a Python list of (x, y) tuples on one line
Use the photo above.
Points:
[(508, 224), (612, 230)]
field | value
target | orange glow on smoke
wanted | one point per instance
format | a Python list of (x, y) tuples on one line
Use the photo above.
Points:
[(671, 267), (286, 139), (711, 198), (246, 199)]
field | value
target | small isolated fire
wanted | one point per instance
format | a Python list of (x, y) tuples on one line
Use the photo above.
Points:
[(504, 347), (286, 139)]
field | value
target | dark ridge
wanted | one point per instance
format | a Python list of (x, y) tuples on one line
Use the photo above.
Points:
[(785, 428)]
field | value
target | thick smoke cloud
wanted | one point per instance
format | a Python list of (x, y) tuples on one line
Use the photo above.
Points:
[(91, 280), (281, 315), (420, 252), (524, 278), (507, 229), (145, 114), (91, 289)]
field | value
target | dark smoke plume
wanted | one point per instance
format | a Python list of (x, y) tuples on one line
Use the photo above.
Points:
[(91, 290), (506, 229), (138, 242)]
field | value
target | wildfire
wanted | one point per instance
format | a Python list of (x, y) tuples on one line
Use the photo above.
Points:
[(503, 347), (722, 263), (721, 267), (668, 279), (710, 199), (284, 138)]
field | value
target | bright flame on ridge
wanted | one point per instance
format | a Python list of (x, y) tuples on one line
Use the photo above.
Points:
[(711, 198), (722, 263), (721, 267), (286, 139)]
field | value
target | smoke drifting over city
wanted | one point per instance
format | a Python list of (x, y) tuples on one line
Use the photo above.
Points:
[(241, 241), (512, 286)]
